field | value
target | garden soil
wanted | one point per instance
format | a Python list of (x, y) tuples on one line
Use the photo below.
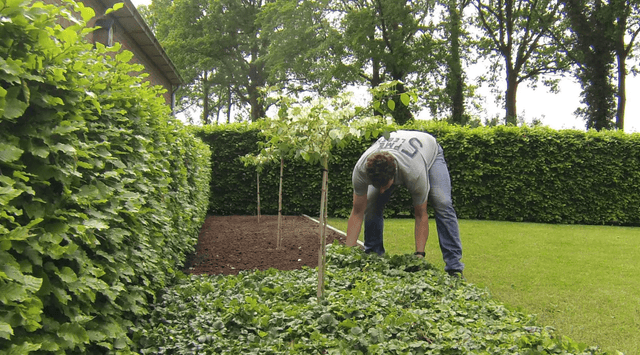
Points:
[(230, 244)]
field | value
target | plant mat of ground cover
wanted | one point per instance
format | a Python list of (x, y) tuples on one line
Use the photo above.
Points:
[(396, 304), (230, 244)]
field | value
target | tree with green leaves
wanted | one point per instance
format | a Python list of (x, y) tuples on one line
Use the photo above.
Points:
[(232, 49), (302, 47), (310, 128), (275, 148), (602, 35), (627, 28), (592, 47), (387, 40), (518, 38), (259, 161), (219, 48), (179, 27), (455, 33)]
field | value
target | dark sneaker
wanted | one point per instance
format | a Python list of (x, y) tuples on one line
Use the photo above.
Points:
[(456, 273)]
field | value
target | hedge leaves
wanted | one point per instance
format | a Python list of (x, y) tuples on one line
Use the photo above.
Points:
[(497, 173), (102, 191)]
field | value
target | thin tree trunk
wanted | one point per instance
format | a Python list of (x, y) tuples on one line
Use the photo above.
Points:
[(279, 244), (205, 100), (258, 187), (622, 92), (323, 236), (455, 83), (229, 105)]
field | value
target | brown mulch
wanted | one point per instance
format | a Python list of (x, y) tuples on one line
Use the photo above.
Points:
[(229, 244)]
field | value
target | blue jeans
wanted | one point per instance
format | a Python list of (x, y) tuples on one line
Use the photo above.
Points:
[(439, 199)]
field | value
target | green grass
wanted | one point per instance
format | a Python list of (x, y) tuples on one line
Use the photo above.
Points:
[(582, 280)]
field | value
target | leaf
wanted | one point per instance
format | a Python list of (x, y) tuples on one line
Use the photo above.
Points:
[(95, 223), (23, 348), (65, 148), (7, 194), (120, 343), (64, 127), (73, 333), (5, 330), (52, 100), (11, 68), (12, 291), (9, 153), (31, 283), (14, 107), (391, 104), (86, 12), (41, 152), (115, 7), (19, 233), (404, 97), (124, 56), (67, 275)]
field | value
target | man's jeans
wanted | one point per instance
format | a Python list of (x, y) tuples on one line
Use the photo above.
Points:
[(439, 199)]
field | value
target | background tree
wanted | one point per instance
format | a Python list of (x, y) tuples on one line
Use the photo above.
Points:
[(228, 49), (591, 47), (181, 28), (221, 47), (627, 27), (387, 40), (519, 32), (304, 51), (455, 34)]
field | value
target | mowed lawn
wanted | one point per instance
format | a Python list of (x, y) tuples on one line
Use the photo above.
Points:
[(584, 281)]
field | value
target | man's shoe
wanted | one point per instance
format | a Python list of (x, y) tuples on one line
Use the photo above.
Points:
[(456, 273)]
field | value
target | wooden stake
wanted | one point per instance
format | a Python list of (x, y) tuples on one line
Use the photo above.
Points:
[(258, 187)]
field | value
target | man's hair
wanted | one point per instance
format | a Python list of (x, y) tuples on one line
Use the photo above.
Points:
[(381, 167)]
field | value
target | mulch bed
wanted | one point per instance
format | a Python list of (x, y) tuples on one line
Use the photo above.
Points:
[(230, 244)]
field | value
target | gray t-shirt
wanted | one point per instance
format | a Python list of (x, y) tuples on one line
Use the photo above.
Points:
[(414, 152)]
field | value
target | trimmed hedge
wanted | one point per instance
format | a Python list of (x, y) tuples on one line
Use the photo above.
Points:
[(102, 191), (498, 173)]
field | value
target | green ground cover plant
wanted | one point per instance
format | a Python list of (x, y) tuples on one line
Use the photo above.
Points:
[(398, 304), (581, 280)]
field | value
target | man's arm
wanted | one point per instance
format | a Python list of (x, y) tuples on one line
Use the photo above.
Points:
[(422, 226), (355, 219)]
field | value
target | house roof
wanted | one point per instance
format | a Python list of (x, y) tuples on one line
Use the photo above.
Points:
[(135, 26)]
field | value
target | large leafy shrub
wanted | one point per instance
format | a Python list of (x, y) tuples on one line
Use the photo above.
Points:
[(102, 191), (372, 305), (498, 173)]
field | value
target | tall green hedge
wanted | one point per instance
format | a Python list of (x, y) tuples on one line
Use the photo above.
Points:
[(102, 192), (498, 173)]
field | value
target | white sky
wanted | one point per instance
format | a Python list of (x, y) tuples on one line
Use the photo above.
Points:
[(554, 110)]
